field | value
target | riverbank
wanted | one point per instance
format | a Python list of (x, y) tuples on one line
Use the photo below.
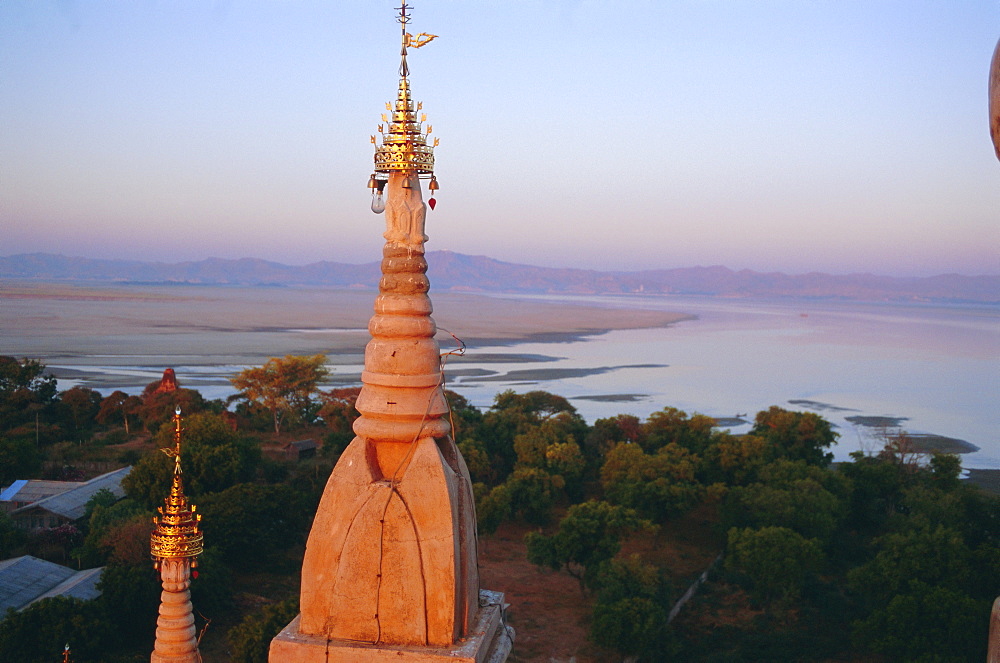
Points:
[(928, 371), (110, 323)]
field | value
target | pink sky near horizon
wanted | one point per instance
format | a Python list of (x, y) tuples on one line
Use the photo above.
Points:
[(838, 137)]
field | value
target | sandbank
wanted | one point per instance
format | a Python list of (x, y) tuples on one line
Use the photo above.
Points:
[(114, 324)]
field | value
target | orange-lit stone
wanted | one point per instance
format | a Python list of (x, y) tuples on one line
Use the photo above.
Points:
[(176, 641), (391, 558)]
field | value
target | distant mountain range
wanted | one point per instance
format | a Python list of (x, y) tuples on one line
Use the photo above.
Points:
[(459, 272)]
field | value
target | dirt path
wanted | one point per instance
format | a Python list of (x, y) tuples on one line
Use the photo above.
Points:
[(547, 609)]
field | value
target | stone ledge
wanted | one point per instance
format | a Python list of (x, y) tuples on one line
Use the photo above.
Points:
[(490, 641)]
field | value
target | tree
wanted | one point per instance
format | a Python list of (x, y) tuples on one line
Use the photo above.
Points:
[(250, 524), (659, 485), (251, 638), (734, 459), (108, 535), (590, 533), (476, 459), (936, 556), (565, 460), (790, 494), (127, 541), (11, 536), (805, 507), (607, 433), (80, 406), (776, 560), (338, 412), (630, 614), (531, 493), (119, 406), (158, 408), (634, 626), (551, 446), (283, 385), (876, 494), (214, 457), (212, 590), (25, 391), (39, 632), (514, 414), (795, 435), (20, 458), (149, 481), (492, 507), (927, 624), (130, 596), (673, 426)]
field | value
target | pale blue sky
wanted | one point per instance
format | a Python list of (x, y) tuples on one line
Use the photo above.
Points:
[(790, 135)]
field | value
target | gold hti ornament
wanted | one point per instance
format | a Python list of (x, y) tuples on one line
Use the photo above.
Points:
[(177, 534), (405, 146)]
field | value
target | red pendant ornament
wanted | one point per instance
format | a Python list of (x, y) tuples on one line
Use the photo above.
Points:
[(194, 574), (432, 203)]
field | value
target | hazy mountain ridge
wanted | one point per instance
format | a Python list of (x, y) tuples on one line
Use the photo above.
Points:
[(456, 271)]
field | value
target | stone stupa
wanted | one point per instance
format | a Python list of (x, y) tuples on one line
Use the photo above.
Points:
[(390, 569)]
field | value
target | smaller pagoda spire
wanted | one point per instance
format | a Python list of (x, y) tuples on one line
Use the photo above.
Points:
[(174, 547), (177, 534)]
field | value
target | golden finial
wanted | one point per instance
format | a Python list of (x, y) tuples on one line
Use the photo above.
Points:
[(405, 147), (177, 534)]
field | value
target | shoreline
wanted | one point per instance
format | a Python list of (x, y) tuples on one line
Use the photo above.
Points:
[(591, 352), (117, 323)]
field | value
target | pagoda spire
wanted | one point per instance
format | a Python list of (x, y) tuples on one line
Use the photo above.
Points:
[(174, 547), (390, 567), (406, 152)]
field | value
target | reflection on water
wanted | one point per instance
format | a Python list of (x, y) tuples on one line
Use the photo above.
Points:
[(938, 367)]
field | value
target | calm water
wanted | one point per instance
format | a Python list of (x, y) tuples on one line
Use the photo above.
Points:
[(937, 366)]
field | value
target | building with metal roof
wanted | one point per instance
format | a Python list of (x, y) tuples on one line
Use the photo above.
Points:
[(28, 491), (68, 506), (24, 580)]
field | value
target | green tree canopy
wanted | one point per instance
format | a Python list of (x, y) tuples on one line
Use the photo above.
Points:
[(39, 632), (776, 560), (591, 533), (20, 458), (251, 638), (633, 626), (795, 435), (284, 386), (927, 624), (338, 412), (513, 414), (734, 459), (119, 407), (250, 523), (214, 457), (936, 556), (659, 485), (605, 434), (25, 391), (11, 536), (673, 426), (79, 407), (158, 408), (802, 505)]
